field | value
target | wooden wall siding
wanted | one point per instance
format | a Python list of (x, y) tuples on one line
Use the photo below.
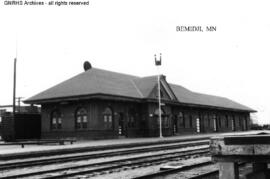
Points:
[(86, 134), (206, 126), (95, 110), (145, 124)]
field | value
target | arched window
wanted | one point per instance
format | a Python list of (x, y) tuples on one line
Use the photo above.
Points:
[(108, 118), (56, 120), (81, 119)]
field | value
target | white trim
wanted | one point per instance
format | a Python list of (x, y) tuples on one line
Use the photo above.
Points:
[(168, 91)]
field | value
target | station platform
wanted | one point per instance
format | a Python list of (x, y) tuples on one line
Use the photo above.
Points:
[(11, 150)]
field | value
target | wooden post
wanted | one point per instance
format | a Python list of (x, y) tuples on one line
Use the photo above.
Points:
[(228, 170)]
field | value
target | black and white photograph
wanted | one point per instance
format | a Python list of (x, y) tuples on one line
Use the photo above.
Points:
[(114, 89)]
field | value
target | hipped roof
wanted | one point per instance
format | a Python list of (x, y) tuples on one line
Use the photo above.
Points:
[(98, 81)]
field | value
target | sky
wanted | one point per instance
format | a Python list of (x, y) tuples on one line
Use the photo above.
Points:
[(53, 41)]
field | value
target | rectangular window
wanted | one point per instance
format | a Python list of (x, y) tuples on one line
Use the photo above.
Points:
[(108, 121), (54, 124), (84, 122), (105, 122), (56, 120)]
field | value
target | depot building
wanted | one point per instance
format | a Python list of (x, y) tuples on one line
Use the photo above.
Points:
[(104, 104)]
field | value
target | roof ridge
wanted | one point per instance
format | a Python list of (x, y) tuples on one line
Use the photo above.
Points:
[(114, 72), (136, 88)]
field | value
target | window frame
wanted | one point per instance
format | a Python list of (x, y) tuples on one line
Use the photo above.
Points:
[(56, 116), (107, 116), (82, 125)]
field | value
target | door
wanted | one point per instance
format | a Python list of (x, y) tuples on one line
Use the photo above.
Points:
[(233, 124), (201, 122), (175, 126), (244, 126), (121, 125), (215, 124)]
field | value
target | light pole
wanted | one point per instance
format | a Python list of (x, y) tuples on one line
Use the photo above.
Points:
[(158, 63)]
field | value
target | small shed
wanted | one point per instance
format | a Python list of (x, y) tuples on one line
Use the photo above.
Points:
[(20, 126)]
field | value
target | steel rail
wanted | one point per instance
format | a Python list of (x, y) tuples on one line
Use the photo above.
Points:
[(96, 148)]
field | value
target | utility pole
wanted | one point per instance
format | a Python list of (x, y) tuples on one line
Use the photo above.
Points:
[(14, 87), (14, 79)]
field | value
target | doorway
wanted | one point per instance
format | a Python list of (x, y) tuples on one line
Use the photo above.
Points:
[(175, 124), (122, 126), (215, 124)]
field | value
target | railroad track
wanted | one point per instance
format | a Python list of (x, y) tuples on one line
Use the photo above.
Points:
[(96, 148), (110, 166), (5, 165)]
